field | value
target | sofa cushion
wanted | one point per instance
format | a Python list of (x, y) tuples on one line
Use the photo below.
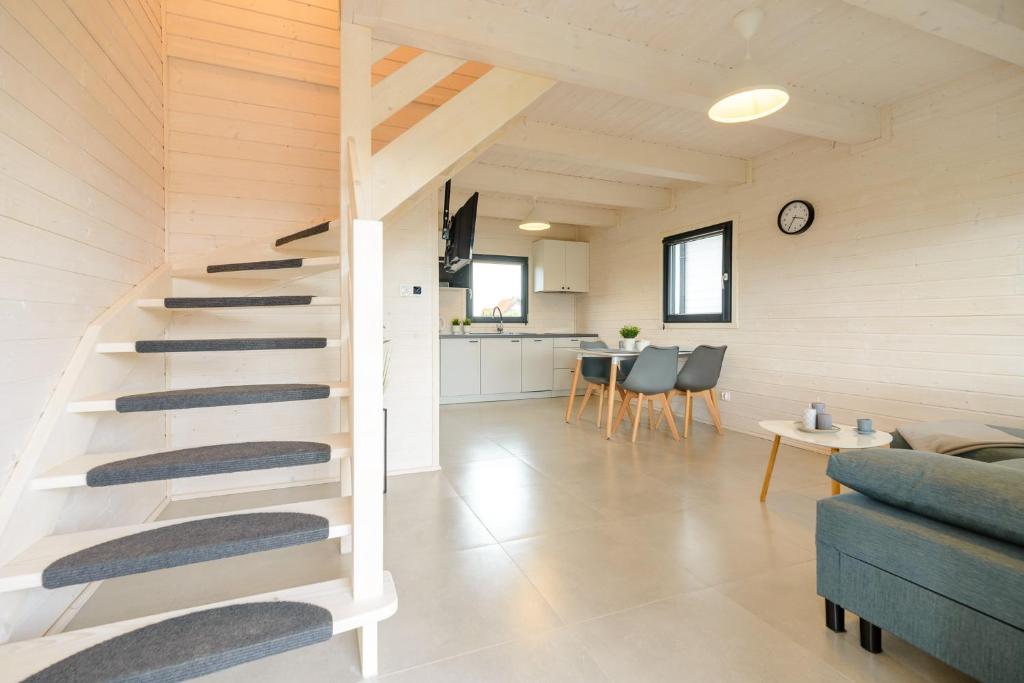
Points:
[(989, 454), (981, 497), (982, 573)]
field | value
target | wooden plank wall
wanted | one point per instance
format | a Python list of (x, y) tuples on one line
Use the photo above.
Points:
[(81, 183), (903, 302)]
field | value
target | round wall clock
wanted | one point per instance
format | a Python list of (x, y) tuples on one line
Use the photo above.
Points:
[(795, 217)]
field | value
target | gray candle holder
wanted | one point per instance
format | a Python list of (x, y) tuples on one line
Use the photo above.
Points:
[(823, 421), (818, 407)]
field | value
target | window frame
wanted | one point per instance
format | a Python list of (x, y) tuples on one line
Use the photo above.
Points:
[(667, 243), (524, 262)]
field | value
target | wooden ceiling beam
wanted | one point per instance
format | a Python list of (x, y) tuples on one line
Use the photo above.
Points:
[(992, 28), (518, 208), (505, 36), (451, 137), (409, 82), (502, 179), (623, 154)]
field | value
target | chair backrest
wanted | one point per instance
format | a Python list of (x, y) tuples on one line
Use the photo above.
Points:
[(654, 371), (597, 368), (702, 368)]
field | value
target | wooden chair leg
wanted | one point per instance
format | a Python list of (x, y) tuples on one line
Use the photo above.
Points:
[(636, 418), (622, 395), (709, 399), (650, 414), (600, 404), (670, 395), (666, 409), (623, 407), (583, 403), (688, 416)]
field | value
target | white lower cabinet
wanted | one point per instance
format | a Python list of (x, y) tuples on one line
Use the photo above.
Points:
[(501, 366), (460, 367), (537, 364)]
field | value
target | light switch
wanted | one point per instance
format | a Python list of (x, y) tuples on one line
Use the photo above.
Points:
[(410, 290)]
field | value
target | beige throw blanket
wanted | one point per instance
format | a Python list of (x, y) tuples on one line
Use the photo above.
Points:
[(953, 437)]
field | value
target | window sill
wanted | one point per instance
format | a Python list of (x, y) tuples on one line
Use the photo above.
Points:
[(702, 326)]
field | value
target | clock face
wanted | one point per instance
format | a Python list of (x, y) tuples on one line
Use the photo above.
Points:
[(795, 217)]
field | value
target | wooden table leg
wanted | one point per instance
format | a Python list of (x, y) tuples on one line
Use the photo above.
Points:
[(572, 389), (835, 484), (771, 465), (611, 400)]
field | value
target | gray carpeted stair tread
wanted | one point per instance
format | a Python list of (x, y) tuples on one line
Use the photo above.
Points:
[(190, 542), (195, 644), (208, 397), (239, 344), (255, 265), (307, 232), (235, 301), (207, 460)]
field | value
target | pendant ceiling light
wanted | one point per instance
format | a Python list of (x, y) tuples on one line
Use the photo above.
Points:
[(532, 222), (749, 94)]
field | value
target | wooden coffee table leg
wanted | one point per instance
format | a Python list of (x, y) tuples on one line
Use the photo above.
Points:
[(835, 484), (771, 465)]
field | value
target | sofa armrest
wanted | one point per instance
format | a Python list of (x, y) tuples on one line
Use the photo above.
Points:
[(981, 497)]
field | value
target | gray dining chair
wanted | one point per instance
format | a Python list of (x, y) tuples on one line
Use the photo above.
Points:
[(699, 377), (596, 373), (651, 378)]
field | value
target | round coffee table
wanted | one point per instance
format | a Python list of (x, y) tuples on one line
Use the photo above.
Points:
[(847, 438)]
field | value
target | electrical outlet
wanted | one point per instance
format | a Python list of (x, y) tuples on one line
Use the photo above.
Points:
[(726, 395)]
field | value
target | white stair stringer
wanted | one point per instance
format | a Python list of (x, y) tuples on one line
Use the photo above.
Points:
[(26, 570), (22, 659)]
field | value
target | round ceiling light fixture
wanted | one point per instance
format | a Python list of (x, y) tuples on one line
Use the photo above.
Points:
[(749, 94), (532, 222)]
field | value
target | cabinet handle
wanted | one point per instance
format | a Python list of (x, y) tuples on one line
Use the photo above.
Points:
[(474, 341), (514, 341), (537, 340)]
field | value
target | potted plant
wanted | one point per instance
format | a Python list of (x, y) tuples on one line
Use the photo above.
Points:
[(456, 322), (466, 322), (629, 334)]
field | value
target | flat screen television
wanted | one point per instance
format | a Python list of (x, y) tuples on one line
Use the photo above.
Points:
[(458, 251)]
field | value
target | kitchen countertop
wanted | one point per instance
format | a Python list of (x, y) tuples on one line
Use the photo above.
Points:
[(517, 335)]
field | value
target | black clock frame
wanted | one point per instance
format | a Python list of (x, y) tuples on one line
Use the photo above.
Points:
[(810, 216)]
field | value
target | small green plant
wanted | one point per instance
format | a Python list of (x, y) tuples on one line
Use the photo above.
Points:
[(456, 322), (467, 322), (629, 331)]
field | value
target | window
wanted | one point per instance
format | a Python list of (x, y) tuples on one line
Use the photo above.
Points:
[(698, 276), (497, 281)]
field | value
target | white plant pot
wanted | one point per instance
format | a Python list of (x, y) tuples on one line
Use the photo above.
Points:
[(629, 344)]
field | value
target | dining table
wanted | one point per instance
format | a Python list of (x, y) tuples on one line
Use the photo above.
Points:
[(616, 356)]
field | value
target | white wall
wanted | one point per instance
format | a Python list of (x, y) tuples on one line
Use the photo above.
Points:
[(411, 395), (81, 222), (903, 302), (548, 312), (81, 184)]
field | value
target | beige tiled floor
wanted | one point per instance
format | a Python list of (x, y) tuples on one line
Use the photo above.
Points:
[(542, 552)]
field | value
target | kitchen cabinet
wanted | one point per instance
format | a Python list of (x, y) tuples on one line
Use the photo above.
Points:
[(537, 364), (460, 367), (560, 266), (501, 366)]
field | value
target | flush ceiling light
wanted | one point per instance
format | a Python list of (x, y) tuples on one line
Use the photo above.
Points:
[(749, 94), (532, 222)]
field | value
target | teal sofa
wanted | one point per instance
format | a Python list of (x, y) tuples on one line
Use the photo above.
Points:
[(931, 549)]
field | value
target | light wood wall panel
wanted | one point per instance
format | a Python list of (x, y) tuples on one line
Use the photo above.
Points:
[(905, 299), (81, 183)]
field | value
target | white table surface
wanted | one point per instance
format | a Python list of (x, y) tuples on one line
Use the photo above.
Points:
[(846, 438), (618, 353)]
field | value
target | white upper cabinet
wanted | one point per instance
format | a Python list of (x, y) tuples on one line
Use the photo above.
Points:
[(560, 266)]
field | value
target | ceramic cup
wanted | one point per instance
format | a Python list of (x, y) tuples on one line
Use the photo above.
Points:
[(818, 407), (864, 425), (642, 344), (824, 421)]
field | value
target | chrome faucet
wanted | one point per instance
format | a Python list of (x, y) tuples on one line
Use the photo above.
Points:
[(501, 319)]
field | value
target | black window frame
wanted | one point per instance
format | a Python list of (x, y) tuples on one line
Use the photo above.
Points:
[(666, 245), (524, 262)]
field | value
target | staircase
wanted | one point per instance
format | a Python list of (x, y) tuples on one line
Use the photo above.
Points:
[(187, 643)]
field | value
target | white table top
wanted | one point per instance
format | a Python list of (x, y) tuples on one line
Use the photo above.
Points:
[(618, 353), (846, 437)]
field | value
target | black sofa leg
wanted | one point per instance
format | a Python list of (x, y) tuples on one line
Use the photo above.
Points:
[(835, 617), (870, 637)]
